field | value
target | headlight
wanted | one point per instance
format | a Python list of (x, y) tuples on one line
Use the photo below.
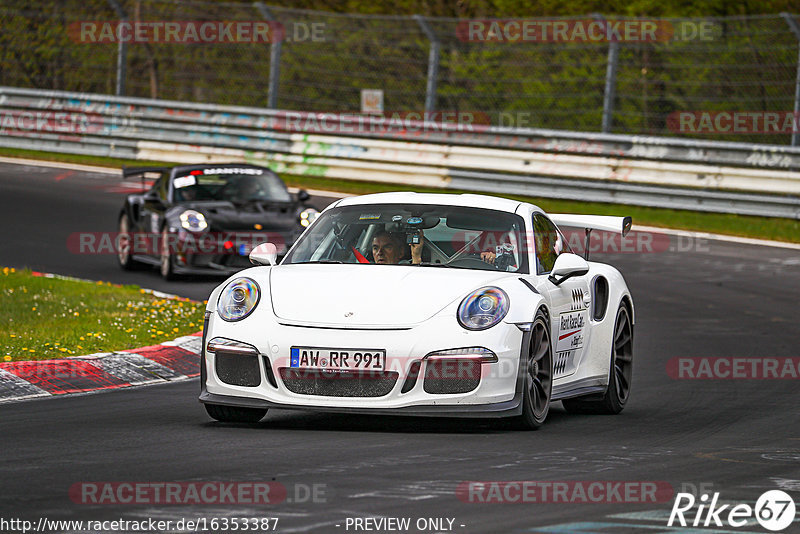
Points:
[(238, 299), (483, 308), (193, 220), (308, 216)]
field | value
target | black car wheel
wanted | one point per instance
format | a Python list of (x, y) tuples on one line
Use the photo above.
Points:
[(167, 267), (620, 373), (233, 414), (538, 386), (124, 244)]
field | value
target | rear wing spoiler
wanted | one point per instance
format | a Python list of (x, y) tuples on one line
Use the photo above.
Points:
[(127, 172), (604, 223), (618, 225)]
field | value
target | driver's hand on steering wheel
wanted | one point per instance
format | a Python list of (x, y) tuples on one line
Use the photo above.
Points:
[(488, 257)]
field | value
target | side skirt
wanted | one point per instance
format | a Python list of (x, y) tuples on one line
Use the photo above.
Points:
[(580, 392)]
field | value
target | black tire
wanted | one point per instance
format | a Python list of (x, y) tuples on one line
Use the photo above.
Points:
[(538, 368), (620, 374), (167, 265), (124, 256), (234, 414)]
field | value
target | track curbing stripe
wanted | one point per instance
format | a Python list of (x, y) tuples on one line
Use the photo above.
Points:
[(167, 362)]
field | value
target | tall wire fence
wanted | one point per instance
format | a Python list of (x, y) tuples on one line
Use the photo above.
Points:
[(322, 61)]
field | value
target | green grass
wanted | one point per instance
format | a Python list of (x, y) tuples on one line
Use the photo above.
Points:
[(739, 225), (46, 318)]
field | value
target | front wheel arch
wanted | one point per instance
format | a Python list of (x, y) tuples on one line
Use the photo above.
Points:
[(125, 225), (628, 303), (536, 373), (166, 265)]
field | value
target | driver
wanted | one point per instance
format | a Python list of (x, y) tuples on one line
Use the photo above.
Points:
[(389, 248), (249, 188)]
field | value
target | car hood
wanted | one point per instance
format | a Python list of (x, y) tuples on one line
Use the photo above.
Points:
[(369, 295)]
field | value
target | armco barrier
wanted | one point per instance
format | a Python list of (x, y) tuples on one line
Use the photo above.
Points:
[(648, 171)]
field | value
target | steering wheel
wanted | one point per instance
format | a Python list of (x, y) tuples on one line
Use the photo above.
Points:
[(472, 261)]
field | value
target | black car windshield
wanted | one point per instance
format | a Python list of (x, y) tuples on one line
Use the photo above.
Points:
[(237, 185), (415, 235)]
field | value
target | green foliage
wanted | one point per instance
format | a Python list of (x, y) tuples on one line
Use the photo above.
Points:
[(741, 64)]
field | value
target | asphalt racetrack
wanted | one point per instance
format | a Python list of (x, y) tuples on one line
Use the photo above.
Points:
[(709, 299)]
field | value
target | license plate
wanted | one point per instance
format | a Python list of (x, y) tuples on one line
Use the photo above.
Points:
[(335, 359)]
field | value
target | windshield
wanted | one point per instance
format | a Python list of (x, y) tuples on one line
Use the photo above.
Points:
[(227, 184), (415, 235)]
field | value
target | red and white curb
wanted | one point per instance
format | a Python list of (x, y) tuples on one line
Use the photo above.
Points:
[(170, 361)]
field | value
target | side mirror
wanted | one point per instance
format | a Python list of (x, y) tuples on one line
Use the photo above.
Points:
[(152, 196), (303, 195), (264, 254), (568, 265)]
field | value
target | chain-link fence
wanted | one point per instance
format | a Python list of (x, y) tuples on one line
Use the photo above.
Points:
[(319, 61)]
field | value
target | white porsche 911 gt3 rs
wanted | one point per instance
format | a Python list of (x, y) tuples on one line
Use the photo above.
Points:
[(425, 305)]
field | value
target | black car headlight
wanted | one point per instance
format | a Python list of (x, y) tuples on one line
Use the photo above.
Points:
[(239, 298), (193, 221), (483, 308)]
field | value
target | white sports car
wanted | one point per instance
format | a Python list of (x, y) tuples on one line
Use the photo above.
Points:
[(425, 305)]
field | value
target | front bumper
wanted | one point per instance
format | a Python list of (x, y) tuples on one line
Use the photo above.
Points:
[(226, 253), (498, 392), (501, 409)]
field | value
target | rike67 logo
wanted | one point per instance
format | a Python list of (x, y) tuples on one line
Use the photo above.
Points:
[(774, 511)]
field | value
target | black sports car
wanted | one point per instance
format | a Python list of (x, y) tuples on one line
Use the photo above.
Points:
[(205, 219)]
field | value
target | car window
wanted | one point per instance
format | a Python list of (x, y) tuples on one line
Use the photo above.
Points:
[(162, 186), (549, 243), (199, 185), (446, 236)]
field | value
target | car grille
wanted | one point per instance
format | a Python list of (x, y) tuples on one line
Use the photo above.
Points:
[(451, 376), (338, 384), (237, 370)]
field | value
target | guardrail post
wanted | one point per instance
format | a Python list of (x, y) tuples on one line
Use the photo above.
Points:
[(274, 59), (433, 63), (790, 20), (609, 92), (122, 51)]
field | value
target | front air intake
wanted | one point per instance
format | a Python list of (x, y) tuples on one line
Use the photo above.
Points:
[(451, 375), (237, 369), (338, 383), (411, 379)]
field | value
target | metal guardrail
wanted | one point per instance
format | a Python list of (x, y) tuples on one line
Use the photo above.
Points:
[(647, 171)]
